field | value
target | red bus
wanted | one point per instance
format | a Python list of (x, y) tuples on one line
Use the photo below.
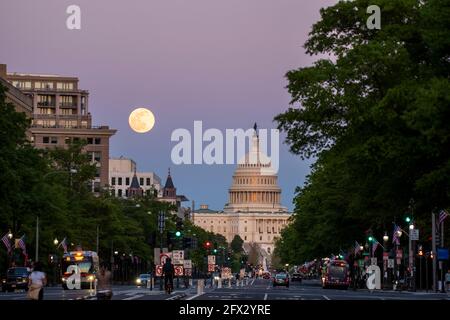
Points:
[(336, 274)]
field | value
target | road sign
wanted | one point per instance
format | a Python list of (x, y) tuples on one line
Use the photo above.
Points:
[(159, 271), (179, 271), (164, 256), (414, 234), (373, 261), (187, 264), (391, 263), (442, 254), (177, 256), (211, 267), (385, 256), (399, 254), (211, 259), (188, 272)]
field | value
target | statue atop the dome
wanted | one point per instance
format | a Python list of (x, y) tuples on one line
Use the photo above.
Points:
[(255, 127)]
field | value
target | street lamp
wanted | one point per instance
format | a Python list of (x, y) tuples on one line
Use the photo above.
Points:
[(10, 235), (55, 242), (385, 237), (361, 248), (411, 226)]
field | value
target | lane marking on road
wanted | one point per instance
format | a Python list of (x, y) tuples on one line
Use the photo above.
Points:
[(253, 281), (265, 296), (326, 297), (134, 297), (196, 296)]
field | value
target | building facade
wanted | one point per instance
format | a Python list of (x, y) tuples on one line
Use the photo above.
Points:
[(121, 173), (60, 114), (254, 211)]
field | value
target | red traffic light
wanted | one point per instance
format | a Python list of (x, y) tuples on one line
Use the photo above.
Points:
[(207, 244)]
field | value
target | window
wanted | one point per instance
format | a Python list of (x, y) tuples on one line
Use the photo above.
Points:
[(141, 181), (113, 193), (113, 181), (119, 192), (96, 186), (53, 140), (64, 86), (120, 181), (97, 156), (148, 181), (97, 172), (127, 181), (245, 229), (98, 141), (268, 250), (224, 229), (260, 238), (90, 140), (245, 238), (67, 112)]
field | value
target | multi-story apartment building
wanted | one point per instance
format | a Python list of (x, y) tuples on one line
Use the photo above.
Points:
[(121, 173), (61, 114)]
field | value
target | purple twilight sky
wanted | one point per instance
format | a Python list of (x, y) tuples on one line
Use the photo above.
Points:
[(219, 61)]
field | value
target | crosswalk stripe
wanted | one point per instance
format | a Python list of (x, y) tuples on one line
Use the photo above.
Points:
[(134, 297)]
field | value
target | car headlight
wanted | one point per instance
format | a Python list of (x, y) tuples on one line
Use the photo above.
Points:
[(91, 278), (138, 281)]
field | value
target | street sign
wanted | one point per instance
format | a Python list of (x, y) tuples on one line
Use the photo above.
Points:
[(179, 271), (164, 256), (211, 267), (188, 272), (399, 254), (391, 263), (414, 234), (373, 261), (442, 254), (385, 256), (211, 259), (177, 256), (159, 271), (187, 264)]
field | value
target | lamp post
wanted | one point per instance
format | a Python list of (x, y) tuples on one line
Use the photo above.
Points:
[(55, 261), (385, 257)]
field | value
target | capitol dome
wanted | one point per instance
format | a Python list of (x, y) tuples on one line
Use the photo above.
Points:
[(255, 183)]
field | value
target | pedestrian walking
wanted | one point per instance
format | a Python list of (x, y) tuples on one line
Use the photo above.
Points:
[(36, 283)]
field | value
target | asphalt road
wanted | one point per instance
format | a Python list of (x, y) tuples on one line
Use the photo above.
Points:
[(258, 289), (308, 290)]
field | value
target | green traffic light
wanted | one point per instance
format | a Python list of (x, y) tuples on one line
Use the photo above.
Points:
[(178, 233), (215, 250), (408, 219), (370, 239)]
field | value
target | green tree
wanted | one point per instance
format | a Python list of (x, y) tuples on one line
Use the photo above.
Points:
[(373, 117), (236, 244)]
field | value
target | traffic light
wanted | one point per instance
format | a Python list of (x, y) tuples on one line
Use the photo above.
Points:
[(187, 242), (370, 238), (215, 250), (407, 219), (178, 234), (207, 245)]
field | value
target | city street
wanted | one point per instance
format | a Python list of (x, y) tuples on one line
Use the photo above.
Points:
[(258, 289), (309, 290)]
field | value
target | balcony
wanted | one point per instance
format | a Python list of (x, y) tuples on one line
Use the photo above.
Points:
[(68, 105), (46, 104)]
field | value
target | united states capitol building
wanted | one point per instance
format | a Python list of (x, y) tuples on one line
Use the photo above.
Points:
[(253, 211)]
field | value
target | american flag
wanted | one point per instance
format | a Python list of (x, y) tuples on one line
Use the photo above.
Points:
[(357, 248), (21, 244), (64, 245), (442, 216), (7, 243), (374, 247), (395, 237)]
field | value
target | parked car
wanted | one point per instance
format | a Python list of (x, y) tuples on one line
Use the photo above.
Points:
[(3, 282), (17, 278), (297, 277), (281, 279), (143, 279)]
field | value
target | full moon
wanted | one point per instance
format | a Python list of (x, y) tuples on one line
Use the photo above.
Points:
[(141, 120)]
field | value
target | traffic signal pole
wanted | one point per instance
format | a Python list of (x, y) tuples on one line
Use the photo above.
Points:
[(433, 249)]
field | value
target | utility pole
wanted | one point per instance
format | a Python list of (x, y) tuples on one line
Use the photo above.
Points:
[(37, 240), (433, 249)]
